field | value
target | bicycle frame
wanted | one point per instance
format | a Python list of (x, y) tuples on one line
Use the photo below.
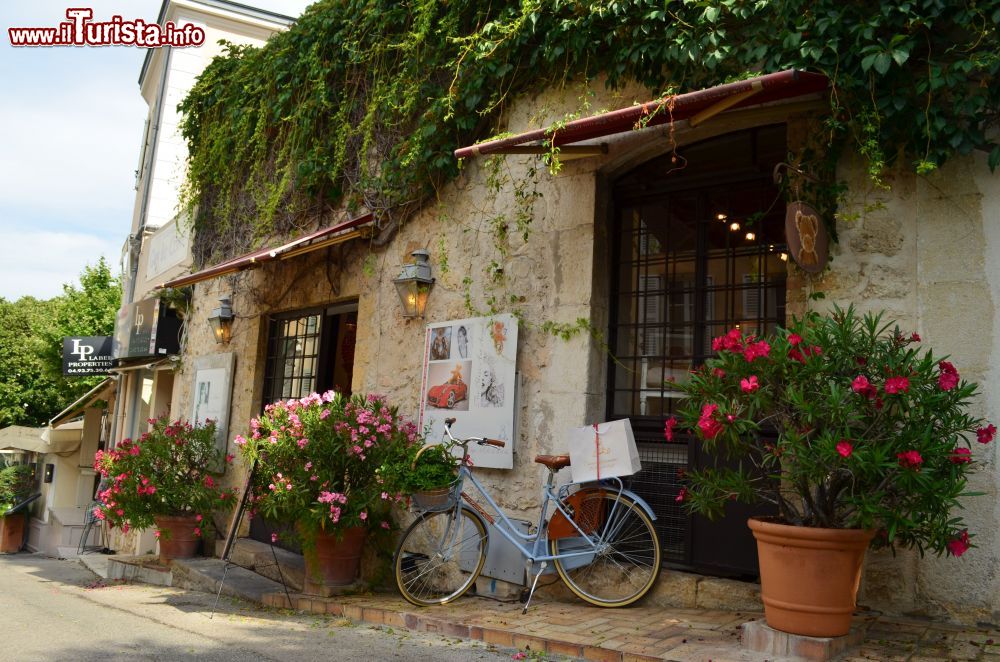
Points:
[(538, 551)]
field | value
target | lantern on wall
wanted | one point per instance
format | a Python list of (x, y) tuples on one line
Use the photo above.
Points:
[(414, 284), (222, 321)]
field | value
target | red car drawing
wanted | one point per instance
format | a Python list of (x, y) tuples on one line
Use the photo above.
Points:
[(447, 394)]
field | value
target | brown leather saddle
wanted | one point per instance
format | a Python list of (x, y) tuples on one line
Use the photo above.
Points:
[(553, 462)]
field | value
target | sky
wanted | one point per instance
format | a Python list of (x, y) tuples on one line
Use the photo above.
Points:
[(71, 121)]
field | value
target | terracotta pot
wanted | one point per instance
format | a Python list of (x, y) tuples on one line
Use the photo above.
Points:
[(436, 499), (331, 560), (12, 533), (177, 537), (809, 577)]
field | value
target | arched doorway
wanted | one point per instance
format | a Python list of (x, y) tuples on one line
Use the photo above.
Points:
[(698, 248)]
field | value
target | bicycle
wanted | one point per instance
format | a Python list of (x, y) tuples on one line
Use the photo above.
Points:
[(601, 538)]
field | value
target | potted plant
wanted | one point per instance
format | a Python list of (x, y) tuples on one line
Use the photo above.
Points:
[(164, 478), (431, 477), (330, 464), (854, 432), (15, 486)]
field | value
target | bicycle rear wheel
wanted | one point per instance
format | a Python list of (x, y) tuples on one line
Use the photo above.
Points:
[(440, 557), (627, 561)]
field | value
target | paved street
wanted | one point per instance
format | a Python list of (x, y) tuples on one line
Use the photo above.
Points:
[(59, 610)]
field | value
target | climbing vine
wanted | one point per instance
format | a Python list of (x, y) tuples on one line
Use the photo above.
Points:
[(360, 104)]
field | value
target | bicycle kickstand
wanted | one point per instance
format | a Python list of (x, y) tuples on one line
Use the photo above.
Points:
[(534, 585)]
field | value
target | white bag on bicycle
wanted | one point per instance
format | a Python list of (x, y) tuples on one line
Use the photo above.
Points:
[(603, 450)]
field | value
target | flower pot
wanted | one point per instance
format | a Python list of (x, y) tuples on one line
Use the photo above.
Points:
[(333, 560), (809, 576), (12, 533), (177, 537), (439, 498)]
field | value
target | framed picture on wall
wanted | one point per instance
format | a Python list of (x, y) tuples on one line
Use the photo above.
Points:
[(211, 393)]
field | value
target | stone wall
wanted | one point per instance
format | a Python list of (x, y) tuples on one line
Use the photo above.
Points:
[(927, 252)]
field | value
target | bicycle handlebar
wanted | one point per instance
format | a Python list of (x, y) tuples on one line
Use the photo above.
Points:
[(482, 441)]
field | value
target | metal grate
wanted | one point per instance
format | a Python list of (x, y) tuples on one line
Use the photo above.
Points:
[(686, 270), (292, 357)]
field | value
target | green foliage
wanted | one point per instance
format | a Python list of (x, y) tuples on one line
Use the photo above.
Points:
[(328, 461), (166, 471), (433, 469), (16, 482), (842, 422), (362, 101), (32, 388)]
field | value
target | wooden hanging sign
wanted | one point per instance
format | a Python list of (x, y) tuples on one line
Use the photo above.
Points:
[(806, 236)]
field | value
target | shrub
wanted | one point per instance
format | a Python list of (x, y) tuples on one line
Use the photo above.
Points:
[(839, 421), (166, 471), (16, 482)]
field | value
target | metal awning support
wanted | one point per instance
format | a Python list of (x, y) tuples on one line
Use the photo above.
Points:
[(695, 107)]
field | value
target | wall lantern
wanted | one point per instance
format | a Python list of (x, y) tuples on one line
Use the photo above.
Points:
[(222, 321), (414, 284)]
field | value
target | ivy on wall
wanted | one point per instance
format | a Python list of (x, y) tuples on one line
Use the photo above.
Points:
[(361, 102)]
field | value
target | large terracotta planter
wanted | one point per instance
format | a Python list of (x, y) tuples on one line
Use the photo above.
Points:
[(12, 533), (333, 561), (809, 577), (177, 537)]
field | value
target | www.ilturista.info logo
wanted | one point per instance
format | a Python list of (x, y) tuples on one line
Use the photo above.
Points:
[(80, 30)]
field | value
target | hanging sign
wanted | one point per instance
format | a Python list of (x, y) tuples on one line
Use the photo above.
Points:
[(469, 374), (806, 236), (87, 355)]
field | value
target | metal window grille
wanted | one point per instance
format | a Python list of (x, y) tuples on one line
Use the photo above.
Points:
[(292, 362), (683, 274)]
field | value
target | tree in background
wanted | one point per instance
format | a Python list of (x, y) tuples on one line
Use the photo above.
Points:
[(32, 388)]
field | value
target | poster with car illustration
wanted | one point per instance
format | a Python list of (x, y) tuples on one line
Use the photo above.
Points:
[(469, 373)]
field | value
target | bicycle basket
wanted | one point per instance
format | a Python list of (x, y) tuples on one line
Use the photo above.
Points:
[(441, 498), (587, 509)]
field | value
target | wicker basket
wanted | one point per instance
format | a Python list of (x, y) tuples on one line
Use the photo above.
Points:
[(441, 498)]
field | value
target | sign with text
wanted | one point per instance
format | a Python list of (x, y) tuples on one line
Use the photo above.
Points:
[(87, 355), (469, 374), (146, 328)]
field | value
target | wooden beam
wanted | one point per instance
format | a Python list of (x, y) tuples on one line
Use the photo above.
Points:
[(725, 104), (565, 152)]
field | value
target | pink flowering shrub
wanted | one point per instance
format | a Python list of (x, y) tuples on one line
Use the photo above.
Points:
[(166, 471), (328, 461), (840, 421)]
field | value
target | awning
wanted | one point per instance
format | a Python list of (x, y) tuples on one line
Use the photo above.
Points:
[(334, 234), (695, 107), (100, 392), (21, 438)]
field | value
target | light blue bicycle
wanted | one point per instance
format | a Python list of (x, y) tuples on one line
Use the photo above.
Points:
[(601, 538)]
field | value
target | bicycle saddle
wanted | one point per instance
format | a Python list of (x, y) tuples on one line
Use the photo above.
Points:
[(553, 462)]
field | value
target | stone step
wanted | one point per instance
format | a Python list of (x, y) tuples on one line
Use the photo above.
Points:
[(201, 574), (260, 557), (145, 569)]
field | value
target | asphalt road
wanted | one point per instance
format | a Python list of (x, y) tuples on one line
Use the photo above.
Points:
[(58, 610)]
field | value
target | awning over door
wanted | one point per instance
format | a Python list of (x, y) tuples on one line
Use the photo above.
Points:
[(328, 236), (102, 391), (21, 438), (695, 107)]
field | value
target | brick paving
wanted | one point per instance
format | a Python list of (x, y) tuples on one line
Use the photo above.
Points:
[(638, 634)]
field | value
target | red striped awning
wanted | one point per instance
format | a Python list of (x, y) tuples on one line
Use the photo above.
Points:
[(696, 107), (327, 236)]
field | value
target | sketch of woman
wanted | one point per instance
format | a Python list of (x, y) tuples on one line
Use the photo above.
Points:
[(463, 342)]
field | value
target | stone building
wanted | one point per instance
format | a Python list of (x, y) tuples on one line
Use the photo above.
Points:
[(642, 234)]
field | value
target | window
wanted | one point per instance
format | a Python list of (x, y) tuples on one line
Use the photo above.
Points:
[(292, 357), (310, 351), (696, 252)]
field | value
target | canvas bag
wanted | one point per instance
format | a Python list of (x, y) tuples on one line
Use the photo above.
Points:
[(603, 450)]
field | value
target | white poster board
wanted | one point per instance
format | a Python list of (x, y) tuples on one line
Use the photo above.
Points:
[(469, 374), (210, 395)]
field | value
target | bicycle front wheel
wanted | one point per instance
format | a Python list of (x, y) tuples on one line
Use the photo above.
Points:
[(440, 557), (626, 562)]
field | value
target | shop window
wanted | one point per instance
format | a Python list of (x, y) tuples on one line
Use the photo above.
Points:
[(697, 251)]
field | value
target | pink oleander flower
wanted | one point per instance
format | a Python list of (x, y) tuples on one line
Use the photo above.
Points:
[(910, 459), (749, 384), (710, 427), (274, 538), (844, 448), (985, 435), (959, 545), (668, 428), (895, 385)]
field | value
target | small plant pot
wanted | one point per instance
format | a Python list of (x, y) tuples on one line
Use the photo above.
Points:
[(809, 576), (439, 498), (177, 537)]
